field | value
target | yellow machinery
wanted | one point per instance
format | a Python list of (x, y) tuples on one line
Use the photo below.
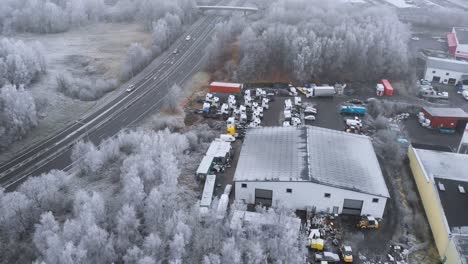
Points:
[(368, 222), (347, 254), (231, 130), (317, 243)]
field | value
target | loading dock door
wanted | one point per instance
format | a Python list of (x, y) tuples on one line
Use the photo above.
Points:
[(263, 197), (352, 207)]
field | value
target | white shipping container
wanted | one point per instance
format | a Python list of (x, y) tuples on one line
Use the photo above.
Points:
[(207, 195)]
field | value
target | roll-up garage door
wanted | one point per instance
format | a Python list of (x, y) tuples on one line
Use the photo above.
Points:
[(263, 197), (352, 207)]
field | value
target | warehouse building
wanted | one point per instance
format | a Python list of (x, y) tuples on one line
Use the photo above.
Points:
[(442, 182), (457, 41), (443, 117), (310, 167), (446, 71), (463, 146)]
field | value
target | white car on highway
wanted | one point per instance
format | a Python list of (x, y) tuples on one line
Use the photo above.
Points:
[(188, 38), (130, 88)]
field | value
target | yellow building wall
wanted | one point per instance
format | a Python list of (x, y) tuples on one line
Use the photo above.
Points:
[(451, 254), (431, 204)]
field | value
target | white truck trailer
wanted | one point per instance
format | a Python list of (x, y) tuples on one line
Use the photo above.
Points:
[(321, 91)]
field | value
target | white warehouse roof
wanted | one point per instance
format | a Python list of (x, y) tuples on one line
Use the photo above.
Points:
[(314, 154)]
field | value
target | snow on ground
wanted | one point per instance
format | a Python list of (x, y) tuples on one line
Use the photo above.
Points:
[(462, 3), (432, 4), (399, 3), (354, 1), (96, 50)]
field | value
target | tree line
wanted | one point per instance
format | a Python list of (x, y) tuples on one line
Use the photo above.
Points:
[(53, 16), (125, 203), (317, 41)]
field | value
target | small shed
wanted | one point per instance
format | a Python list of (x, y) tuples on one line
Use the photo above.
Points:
[(449, 118)]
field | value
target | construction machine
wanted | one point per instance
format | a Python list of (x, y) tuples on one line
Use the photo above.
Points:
[(347, 254), (368, 222)]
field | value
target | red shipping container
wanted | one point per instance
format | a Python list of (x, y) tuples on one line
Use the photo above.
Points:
[(224, 87), (452, 43), (388, 87)]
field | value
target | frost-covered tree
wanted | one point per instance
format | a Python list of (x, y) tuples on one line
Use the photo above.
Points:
[(173, 100), (49, 191), (88, 157), (20, 64), (84, 88), (316, 41), (18, 114), (136, 59), (103, 223), (53, 16), (127, 228)]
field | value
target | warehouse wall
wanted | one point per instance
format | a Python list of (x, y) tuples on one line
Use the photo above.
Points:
[(451, 254), (308, 194), (431, 203), (431, 72)]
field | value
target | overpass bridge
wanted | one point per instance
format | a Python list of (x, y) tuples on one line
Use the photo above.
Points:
[(228, 8)]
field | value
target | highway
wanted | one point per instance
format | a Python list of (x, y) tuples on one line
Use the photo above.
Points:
[(150, 88)]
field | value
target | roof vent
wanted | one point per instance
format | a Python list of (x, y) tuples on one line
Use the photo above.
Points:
[(461, 189), (441, 186)]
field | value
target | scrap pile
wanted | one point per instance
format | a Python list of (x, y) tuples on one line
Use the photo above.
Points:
[(325, 240)]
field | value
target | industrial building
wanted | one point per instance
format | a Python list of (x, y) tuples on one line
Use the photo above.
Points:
[(442, 182), (449, 118), (310, 167), (446, 71), (457, 41), (463, 146)]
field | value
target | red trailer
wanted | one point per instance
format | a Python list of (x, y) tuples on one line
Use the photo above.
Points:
[(452, 43), (387, 87), (449, 118), (225, 87)]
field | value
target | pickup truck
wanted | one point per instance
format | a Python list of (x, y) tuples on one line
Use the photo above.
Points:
[(432, 93), (352, 110)]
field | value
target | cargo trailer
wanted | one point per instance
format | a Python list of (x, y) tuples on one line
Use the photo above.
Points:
[(388, 89), (225, 87)]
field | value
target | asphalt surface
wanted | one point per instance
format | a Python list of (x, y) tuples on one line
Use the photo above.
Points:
[(150, 89)]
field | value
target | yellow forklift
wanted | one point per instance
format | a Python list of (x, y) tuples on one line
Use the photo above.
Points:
[(347, 254), (368, 222)]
